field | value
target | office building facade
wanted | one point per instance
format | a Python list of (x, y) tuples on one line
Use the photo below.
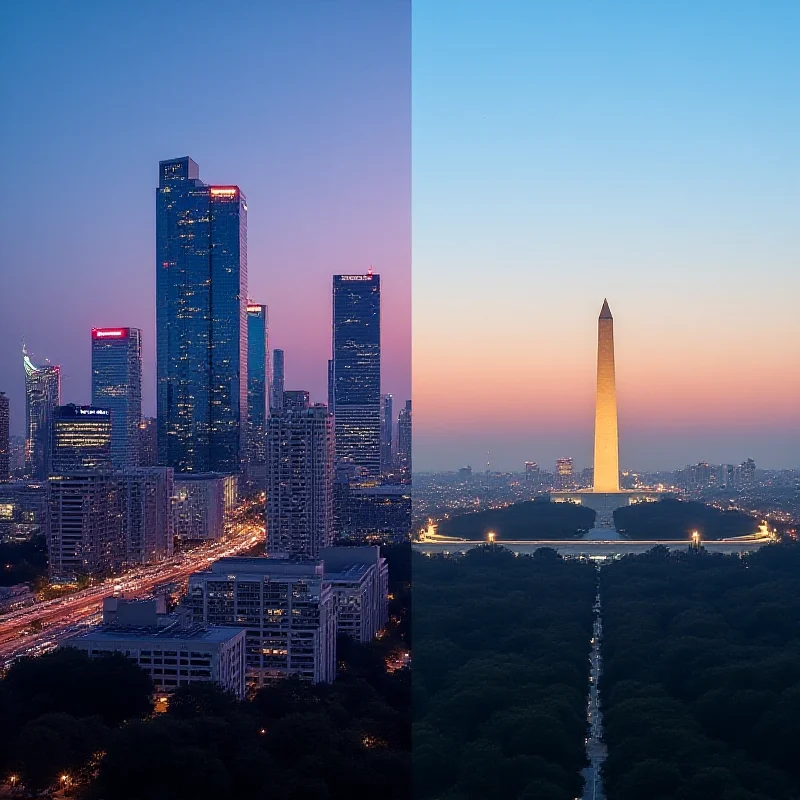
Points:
[(5, 439), (357, 369), (201, 321), (359, 577), (300, 470), (199, 507), (258, 394), (171, 652), (387, 435), (278, 380), (42, 395), (296, 400), (404, 445), (288, 610), (148, 442), (117, 386), (82, 437), (23, 511), (372, 514), (85, 529), (145, 498)]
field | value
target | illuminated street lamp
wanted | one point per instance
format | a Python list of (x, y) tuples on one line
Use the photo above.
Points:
[(490, 537), (695, 539)]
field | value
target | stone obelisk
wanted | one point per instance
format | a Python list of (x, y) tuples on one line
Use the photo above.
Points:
[(606, 436)]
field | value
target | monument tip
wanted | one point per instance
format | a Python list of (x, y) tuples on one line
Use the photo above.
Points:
[(605, 311)]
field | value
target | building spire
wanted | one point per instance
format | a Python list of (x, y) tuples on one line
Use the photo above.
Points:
[(605, 311)]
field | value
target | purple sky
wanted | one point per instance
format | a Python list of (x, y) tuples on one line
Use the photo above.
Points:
[(306, 106)]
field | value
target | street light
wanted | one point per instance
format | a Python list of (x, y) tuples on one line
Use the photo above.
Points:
[(695, 539), (491, 536)]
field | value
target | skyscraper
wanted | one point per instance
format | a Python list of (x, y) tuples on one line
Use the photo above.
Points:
[(299, 481), (42, 395), (117, 386), (404, 442), (564, 473), (357, 369), (148, 442), (296, 400), (201, 321), (276, 403), (606, 444), (387, 434), (82, 439), (258, 393), (5, 442)]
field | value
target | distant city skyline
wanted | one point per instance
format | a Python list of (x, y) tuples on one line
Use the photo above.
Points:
[(327, 193), (644, 152)]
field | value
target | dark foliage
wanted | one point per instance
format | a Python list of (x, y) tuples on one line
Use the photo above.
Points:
[(522, 521), (676, 519), (23, 562), (294, 740), (56, 711), (500, 675), (701, 683)]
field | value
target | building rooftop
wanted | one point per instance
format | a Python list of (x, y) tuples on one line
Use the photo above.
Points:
[(194, 633), (264, 566), (348, 574)]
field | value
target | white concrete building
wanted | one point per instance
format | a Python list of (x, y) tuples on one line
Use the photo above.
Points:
[(170, 652), (359, 577), (287, 608)]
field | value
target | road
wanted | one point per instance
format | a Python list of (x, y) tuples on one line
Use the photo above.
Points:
[(595, 749), (56, 620)]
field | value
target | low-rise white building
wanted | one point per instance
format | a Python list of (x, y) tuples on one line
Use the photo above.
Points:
[(171, 652)]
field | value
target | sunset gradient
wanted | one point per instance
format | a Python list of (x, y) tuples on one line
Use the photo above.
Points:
[(646, 153)]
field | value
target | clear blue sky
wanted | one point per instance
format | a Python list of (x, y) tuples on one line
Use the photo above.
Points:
[(305, 105), (642, 151)]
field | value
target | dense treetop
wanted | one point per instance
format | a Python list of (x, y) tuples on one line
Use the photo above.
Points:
[(500, 675), (531, 519), (676, 519), (701, 683)]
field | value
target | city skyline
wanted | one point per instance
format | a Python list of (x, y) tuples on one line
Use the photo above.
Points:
[(326, 193), (562, 156)]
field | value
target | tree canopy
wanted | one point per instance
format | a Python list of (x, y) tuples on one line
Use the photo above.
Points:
[(500, 674), (701, 681), (522, 521)]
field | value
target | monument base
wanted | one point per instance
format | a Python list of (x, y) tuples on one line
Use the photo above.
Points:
[(604, 504)]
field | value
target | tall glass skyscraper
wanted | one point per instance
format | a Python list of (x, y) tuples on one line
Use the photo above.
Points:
[(278, 383), (5, 443), (201, 321), (387, 434), (82, 439), (258, 393), (117, 386), (357, 369), (42, 395)]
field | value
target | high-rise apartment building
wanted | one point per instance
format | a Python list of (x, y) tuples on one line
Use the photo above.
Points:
[(148, 442), (330, 386), (278, 380), (404, 447), (42, 395), (288, 609), (564, 473), (357, 369), (198, 507), (145, 497), (85, 533), (299, 506), (117, 386), (81, 439), (387, 434), (296, 400), (201, 321), (258, 393), (531, 472), (5, 440)]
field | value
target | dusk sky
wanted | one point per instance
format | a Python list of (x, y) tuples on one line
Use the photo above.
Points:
[(643, 152), (306, 106)]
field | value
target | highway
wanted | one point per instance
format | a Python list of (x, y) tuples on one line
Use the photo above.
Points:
[(595, 748), (40, 627)]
